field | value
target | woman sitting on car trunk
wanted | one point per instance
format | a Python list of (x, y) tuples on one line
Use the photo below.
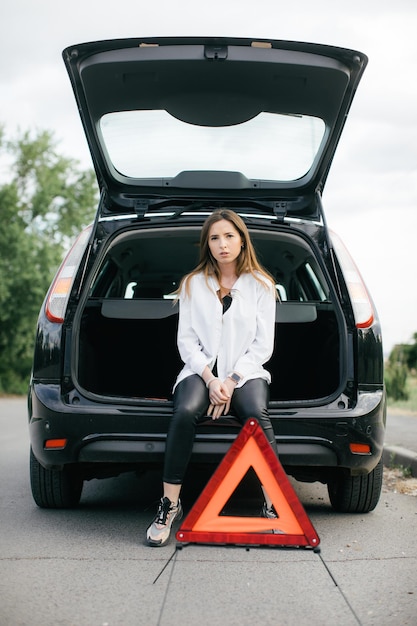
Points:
[(225, 335)]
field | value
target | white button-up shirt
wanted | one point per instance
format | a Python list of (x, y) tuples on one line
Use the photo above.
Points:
[(240, 340)]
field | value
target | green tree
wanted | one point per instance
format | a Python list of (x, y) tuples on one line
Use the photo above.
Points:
[(405, 353), (402, 363), (411, 354), (44, 202), (396, 380)]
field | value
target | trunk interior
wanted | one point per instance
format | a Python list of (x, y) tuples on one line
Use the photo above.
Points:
[(127, 328)]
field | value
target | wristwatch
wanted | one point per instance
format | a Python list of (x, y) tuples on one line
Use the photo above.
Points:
[(235, 377)]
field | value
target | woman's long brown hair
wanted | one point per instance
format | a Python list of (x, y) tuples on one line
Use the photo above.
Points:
[(246, 261)]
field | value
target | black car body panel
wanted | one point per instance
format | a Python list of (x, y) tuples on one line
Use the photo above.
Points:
[(109, 320)]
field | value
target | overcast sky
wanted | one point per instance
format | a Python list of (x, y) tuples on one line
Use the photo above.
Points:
[(370, 197)]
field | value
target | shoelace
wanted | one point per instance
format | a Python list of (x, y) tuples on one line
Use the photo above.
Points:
[(272, 511), (163, 510)]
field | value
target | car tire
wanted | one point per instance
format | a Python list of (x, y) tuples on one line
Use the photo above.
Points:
[(54, 489), (356, 494)]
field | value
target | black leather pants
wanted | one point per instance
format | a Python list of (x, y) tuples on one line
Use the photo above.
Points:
[(191, 401)]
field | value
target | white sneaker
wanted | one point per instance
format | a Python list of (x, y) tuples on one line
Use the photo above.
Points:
[(158, 532), (269, 513)]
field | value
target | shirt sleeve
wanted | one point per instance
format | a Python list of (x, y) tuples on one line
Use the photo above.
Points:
[(189, 346), (262, 347)]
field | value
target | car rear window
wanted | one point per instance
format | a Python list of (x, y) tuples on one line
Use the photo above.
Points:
[(154, 144)]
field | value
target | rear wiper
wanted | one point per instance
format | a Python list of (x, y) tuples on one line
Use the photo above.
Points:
[(144, 206), (274, 208), (190, 207)]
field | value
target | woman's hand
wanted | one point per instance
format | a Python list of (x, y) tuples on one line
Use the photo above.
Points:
[(220, 394)]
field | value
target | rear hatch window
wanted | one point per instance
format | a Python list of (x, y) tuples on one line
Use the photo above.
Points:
[(144, 144)]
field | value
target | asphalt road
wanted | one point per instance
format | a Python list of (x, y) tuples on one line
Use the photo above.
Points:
[(401, 442), (90, 567)]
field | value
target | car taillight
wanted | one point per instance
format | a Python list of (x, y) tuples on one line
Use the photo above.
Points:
[(55, 444), (57, 300), (361, 302), (360, 448)]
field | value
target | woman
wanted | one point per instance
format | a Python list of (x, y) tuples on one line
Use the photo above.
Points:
[(225, 335)]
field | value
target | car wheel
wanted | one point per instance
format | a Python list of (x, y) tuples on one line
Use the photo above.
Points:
[(54, 489), (356, 494)]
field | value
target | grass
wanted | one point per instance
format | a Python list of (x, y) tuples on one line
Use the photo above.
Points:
[(410, 405)]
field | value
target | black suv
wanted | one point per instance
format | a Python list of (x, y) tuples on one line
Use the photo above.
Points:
[(178, 127)]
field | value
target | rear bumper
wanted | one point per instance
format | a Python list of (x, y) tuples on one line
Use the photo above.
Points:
[(104, 434), (204, 450)]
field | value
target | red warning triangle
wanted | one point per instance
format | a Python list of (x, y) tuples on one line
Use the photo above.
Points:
[(204, 524)]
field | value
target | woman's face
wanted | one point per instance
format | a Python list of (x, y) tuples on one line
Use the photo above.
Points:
[(225, 242)]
